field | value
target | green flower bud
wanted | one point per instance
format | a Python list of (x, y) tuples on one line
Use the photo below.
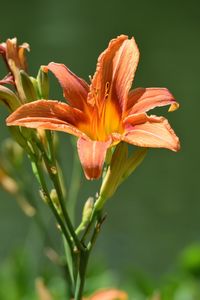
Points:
[(43, 83), (86, 215), (115, 171), (87, 210), (36, 87), (9, 98), (120, 168), (28, 87), (133, 162)]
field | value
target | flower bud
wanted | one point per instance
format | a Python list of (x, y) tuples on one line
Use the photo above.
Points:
[(120, 168), (9, 98), (35, 85), (87, 210), (28, 87), (86, 214), (133, 162), (43, 83), (115, 171)]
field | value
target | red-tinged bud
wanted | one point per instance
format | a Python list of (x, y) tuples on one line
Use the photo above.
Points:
[(15, 59)]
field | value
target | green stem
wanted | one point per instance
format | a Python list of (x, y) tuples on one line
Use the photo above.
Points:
[(68, 268), (74, 186), (84, 256), (52, 168), (95, 215), (37, 169)]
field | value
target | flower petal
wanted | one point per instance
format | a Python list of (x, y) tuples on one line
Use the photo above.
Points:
[(143, 99), (125, 65), (154, 132), (115, 71), (8, 79), (92, 155), (75, 89), (109, 294), (48, 114)]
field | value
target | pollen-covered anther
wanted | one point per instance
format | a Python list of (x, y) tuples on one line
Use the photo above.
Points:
[(107, 89)]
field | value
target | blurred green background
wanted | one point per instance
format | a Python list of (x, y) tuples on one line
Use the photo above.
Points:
[(156, 213)]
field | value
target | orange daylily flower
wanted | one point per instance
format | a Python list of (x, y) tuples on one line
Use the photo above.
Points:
[(109, 294), (106, 112)]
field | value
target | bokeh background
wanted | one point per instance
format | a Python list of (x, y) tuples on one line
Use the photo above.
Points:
[(156, 213)]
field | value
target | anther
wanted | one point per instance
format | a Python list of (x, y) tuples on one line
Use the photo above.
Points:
[(107, 88)]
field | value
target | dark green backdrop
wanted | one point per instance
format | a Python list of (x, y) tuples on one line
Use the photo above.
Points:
[(157, 211)]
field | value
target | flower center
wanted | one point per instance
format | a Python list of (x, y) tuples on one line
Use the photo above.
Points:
[(103, 121)]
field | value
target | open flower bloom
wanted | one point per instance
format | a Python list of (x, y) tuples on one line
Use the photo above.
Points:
[(109, 294), (106, 112)]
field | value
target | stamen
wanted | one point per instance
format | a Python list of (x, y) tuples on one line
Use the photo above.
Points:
[(107, 89)]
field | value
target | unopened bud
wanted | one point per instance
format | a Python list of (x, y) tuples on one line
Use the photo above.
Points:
[(86, 214), (36, 87), (109, 155), (9, 98), (43, 83), (87, 210), (115, 171), (120, 168), (133, 162), (28, 87)]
